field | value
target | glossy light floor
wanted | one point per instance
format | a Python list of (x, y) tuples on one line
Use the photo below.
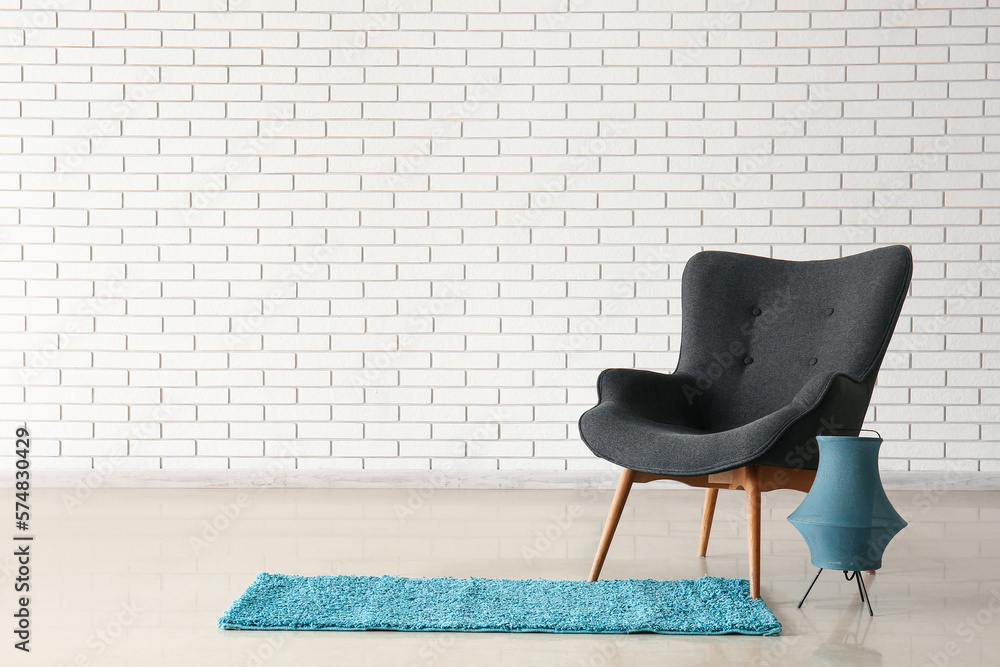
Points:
[(140, 576)]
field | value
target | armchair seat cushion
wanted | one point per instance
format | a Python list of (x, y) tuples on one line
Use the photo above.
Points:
[(641, 444), (614, 430)]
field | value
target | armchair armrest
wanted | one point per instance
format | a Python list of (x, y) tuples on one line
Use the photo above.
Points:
[(817, 389), (826, 404), (666, 398)]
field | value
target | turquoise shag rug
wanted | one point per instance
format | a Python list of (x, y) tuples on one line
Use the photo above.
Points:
[(707, 606)]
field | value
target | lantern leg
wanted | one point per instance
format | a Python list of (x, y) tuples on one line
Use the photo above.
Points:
[(864, 593), (810, 588), (862, 589)]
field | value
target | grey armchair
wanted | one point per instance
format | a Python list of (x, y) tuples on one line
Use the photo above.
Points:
[(773, 354)]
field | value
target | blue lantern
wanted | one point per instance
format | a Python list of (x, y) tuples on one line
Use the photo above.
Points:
[(846, 519)]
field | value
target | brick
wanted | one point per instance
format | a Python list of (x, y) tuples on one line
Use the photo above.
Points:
[(951, 72)]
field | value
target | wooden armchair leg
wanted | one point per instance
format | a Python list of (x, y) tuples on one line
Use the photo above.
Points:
[(707, 514), (752, 487), (614, 514)]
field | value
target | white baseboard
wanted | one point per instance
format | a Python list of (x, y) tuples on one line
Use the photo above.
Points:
[(455, 479)]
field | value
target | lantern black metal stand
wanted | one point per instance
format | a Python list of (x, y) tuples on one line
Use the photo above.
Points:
[(856, 575)]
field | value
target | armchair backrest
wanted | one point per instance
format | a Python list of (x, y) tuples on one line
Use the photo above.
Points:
[(755, 330)]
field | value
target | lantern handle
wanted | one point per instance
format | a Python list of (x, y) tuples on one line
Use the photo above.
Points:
[(859, 430)]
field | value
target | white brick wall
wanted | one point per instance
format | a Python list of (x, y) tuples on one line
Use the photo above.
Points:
[(408, 234)]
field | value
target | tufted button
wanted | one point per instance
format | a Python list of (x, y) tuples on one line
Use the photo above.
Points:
[(747, 361), (829, 311), (813, 361), (756, 312)]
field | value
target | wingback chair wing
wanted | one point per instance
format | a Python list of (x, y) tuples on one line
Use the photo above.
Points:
[(772, 354)]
